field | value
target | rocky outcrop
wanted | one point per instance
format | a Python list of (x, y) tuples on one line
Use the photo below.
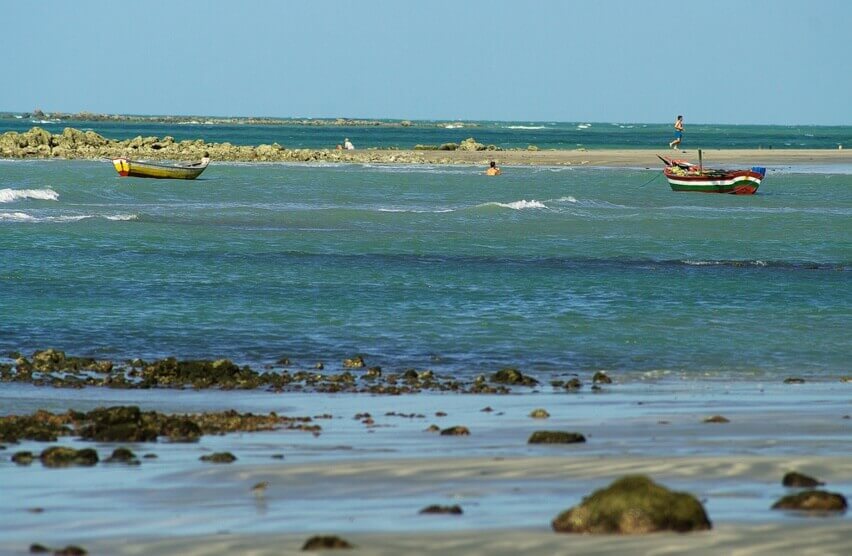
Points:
[(634, 505), (75, 144)]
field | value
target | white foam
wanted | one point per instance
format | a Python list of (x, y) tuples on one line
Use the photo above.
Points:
[(15, 217), (10, 195), (18, 216), (525, 127), (518, 205)]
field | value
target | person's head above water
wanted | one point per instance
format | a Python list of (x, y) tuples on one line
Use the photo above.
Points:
[(493, 164)]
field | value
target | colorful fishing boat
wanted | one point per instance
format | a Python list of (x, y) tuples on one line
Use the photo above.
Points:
[(685, 176), (138, 169)]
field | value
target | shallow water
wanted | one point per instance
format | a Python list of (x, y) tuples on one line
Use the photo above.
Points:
[(358, 478), (547, 269)]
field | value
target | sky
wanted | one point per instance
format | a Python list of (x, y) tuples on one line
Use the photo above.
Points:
[(720, 61)]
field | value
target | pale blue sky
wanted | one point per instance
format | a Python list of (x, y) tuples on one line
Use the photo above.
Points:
[(720, 61)]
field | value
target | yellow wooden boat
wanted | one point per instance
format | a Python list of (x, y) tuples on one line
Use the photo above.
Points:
[(135, 168)]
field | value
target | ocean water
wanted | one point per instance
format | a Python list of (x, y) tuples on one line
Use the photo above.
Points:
[(545, 135), (552, 270)]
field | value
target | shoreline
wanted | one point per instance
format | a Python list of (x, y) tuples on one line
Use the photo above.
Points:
[(745, 540), (73, 144)]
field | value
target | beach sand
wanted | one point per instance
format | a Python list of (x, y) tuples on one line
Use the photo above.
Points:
[(648, 157)]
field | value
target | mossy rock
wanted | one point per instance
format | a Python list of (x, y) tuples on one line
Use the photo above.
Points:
[(634, 505), (817, 501), (219, 457), (539, 414), (123, 455), (326, 542), (118, 424), (62, 456), (513, 376), (448, 147), (555, 437), (425, 147), (356, 362), (23, 458), (800, 480)]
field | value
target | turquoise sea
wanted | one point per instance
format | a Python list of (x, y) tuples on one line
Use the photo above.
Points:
[(551, 270), (545, 135)]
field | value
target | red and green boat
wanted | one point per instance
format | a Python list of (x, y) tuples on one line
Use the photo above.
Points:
[(685, 176)]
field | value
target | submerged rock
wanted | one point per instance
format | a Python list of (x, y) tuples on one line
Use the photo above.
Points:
[(573, 384), (436, 509), (71, 550), (601, 377), (539, 414), (794, 479), (325, 542), (794, 380), (634, 505), (219, 457), (555, 437), (717, 419), (817, 501), (37, 548), (455, 431)]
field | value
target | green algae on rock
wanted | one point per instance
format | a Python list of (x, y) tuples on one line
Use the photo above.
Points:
[(219, 457), (634, 505), (539, 414), (555, 437), (816, 501), (62, 456), (513, 376), (122, 455)]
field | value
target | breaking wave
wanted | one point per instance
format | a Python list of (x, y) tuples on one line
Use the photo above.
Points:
[(11, 195)]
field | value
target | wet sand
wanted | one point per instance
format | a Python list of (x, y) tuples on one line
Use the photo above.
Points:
[(648, 158), (366, 481), (820, 539)]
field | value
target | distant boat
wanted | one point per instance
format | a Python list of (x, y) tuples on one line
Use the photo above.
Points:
[(137, 169), (685, 176)]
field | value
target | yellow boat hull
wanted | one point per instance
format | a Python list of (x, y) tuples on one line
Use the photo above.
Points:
[(134, 168)]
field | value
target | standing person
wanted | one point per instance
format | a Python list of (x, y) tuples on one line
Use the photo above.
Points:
[(347, 144), (678, 125)]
